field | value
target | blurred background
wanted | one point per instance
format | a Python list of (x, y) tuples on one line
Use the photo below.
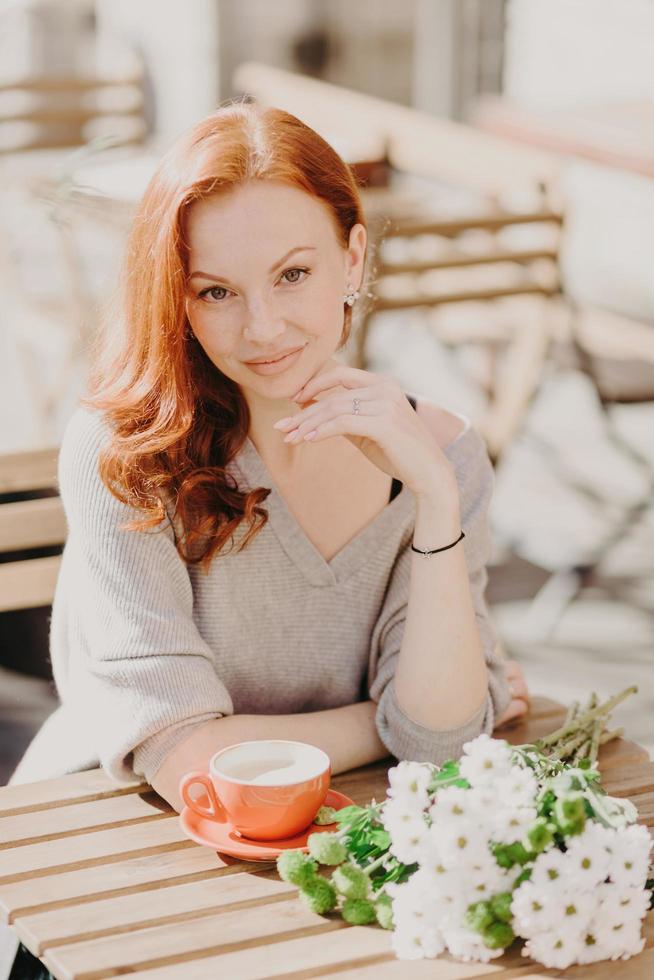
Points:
[(505, 150)]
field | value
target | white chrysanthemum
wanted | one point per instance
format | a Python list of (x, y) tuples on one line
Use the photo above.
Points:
[(407, 840), (409, 781), (630, 856), (460, 843), (620, 941), (449, 903), (535, 910), (518, 788), (587, 858), (467, 945), (453, 803), (592, 947), (412, 895), (576, 908), (552, 949), (485, 760), (506, 826), (486, 879), (621, 905), (549, 868), (398, 812), (417, 943)]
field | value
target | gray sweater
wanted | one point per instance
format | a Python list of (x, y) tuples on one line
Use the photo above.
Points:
[(145, 648)]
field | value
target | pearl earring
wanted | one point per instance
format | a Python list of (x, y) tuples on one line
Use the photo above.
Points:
[(351, 296)]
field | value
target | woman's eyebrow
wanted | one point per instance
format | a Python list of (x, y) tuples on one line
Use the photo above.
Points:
[(298, 248)]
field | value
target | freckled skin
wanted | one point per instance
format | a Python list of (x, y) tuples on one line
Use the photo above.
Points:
[(238, 236)]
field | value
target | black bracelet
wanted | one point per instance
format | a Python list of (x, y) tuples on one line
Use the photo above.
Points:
[(436, 550)]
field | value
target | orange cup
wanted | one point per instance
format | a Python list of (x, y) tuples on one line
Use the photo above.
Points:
[(268, 789)]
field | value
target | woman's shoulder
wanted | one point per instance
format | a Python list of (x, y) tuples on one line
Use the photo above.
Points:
[(464, 446), (85, 435), (446, 426), (86, 425)]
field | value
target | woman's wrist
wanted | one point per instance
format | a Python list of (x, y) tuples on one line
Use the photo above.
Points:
[(438, 522), (439, 496)]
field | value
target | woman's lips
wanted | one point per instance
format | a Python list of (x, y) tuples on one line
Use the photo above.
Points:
[(275, 367)]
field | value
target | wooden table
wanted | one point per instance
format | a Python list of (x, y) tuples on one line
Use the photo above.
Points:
[(97, 879)]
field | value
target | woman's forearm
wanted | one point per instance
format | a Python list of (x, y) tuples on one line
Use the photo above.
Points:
[(441, 678), (348, 735)]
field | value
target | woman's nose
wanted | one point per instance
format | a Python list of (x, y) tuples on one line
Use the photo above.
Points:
[(261, 322)]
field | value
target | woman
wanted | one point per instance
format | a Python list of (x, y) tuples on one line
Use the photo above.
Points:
[(263, 542)]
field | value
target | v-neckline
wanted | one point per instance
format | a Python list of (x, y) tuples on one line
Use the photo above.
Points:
[(294, 539)]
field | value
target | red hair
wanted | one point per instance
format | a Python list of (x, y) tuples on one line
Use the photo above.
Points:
[(175, 420)]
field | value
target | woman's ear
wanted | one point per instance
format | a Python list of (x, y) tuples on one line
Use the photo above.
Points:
[(356, 255)]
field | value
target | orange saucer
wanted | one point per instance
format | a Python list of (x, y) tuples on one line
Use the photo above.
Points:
[(223, 838)]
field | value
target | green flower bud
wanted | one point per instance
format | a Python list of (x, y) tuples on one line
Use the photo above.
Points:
[(319, 896), (384, 911), (503, 856), (296, 867), (326, 848), (351, 881), (479, 916), (358, 911), (539, 836), (501, 906), (498, 936), (518, 853), (570, 814), (325, 815)]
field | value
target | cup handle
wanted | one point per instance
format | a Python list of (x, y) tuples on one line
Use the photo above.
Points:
[(216, 810)]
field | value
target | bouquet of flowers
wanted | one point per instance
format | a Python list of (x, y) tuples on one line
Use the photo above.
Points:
[(509, 842)]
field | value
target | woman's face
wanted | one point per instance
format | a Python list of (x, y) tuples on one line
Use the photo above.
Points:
[(266, 275)]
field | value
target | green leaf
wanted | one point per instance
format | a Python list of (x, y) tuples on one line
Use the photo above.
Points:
[(381, 838)]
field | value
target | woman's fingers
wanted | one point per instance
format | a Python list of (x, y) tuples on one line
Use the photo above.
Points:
[(515, 709), (339, 425), (346, 377), (516, 680), (337, 404)]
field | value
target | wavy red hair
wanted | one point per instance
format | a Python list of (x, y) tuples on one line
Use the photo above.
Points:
[(175, 420)]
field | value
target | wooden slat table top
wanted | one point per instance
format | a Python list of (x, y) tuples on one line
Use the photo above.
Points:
[(98, 880)]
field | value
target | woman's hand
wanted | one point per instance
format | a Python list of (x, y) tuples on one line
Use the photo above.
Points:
[(520, 698), (387, 429)]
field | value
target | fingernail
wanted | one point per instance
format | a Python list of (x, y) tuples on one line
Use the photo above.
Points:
[(310, 435), (280, 423)]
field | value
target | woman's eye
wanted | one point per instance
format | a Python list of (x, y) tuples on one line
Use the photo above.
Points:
[(295, 275), (214, 293)]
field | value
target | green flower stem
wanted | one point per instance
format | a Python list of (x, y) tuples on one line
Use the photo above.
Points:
[(595, 740), (565, 748), (607, 736), (572, 712), (375, 864), (588, 716)]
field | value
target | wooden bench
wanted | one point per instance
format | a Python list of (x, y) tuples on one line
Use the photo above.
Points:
[(29, 524)]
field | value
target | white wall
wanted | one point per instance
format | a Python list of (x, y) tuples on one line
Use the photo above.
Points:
[(564, 53)]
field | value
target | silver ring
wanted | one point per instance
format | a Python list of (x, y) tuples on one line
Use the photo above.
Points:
[(355, 406)]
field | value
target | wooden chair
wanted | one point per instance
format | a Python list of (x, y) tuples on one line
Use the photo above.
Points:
[(52, 112), (523, 271), (31, 522)]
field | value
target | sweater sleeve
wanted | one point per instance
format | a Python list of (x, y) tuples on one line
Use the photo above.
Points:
[(126, 651), (405, 738)]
